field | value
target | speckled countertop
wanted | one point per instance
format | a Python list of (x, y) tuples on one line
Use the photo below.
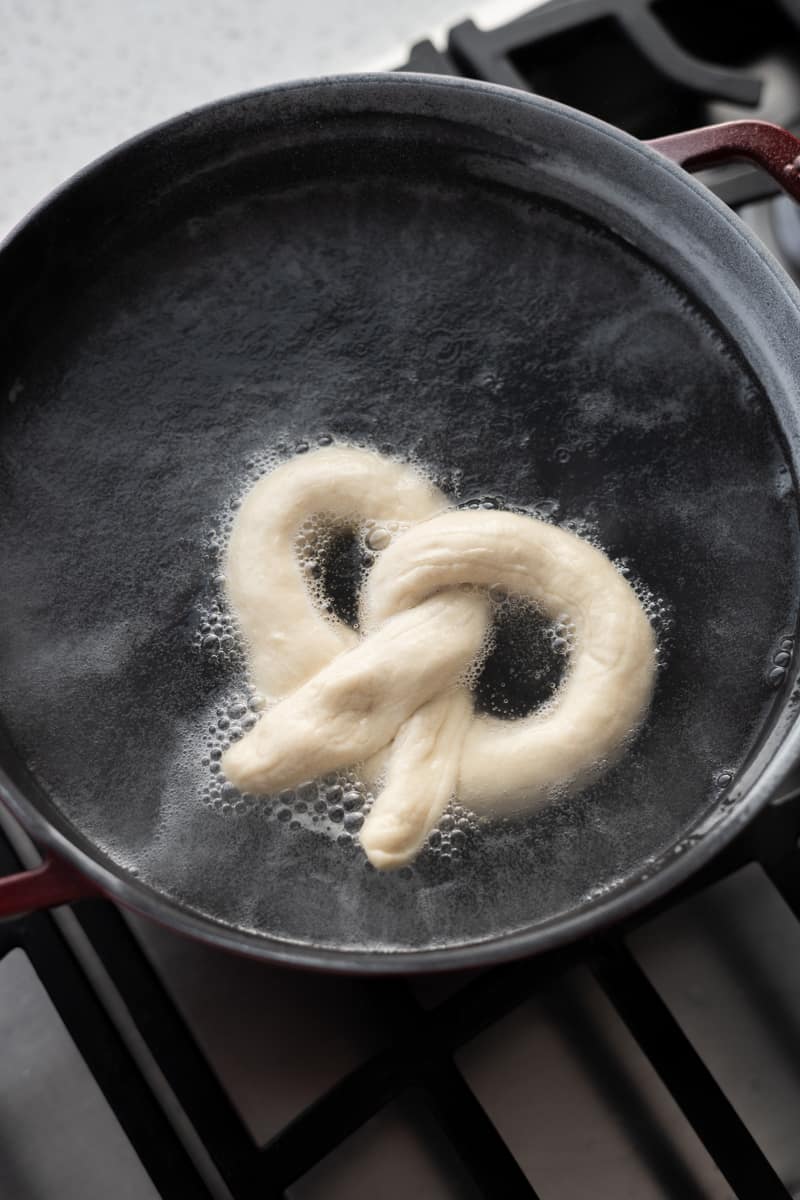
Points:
[(79, 76)]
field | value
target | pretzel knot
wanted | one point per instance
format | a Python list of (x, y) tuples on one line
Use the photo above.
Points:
[(392, 696)]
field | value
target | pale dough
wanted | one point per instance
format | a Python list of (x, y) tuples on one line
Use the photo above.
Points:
[(391, 697)]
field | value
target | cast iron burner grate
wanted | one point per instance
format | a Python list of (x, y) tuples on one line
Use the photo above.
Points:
[(652, 67), (417, 1056), (646, 67)]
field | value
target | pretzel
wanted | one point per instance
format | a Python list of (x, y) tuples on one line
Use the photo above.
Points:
[(393, 696)]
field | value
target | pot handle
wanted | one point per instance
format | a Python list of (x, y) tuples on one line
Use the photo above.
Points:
[(54, 882), (769, 146)]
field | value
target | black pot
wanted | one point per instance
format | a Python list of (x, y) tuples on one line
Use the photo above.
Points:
[(461, 270)]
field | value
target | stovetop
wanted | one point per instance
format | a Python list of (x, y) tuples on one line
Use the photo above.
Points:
[(661, 1061)]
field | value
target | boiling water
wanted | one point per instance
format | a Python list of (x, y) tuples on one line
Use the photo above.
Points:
[(527, 357)]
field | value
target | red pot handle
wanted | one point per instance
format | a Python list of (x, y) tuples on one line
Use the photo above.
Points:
[(769, 146), (54, 882)]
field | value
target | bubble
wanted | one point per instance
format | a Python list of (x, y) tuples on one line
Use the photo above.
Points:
[(284, 814), (353, 821), (378, 538), (446, 823), (301, 448), (210, 643), (546, 508), (324, 439), (229, 792), (352, 799), (334, 794), (336, 814), (776, 676)]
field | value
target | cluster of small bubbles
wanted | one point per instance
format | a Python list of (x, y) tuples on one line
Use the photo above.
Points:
[(232, 717), (335, 806), (487, 502), (781, 661), (561, 634), (600, 890), (456, 829), (584, 528), (215, 634), (658, 612), (449, 481), (469, 677), (545, 510), (310, 545)]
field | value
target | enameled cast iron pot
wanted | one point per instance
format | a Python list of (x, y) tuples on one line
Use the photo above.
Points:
[(532, 302)]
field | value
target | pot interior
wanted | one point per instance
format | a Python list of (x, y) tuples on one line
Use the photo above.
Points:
[(397, 285)]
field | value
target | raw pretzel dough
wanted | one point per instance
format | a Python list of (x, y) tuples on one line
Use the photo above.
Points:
[(394, 698)]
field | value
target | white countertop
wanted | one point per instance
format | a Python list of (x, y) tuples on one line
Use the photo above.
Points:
[(77, 78)]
